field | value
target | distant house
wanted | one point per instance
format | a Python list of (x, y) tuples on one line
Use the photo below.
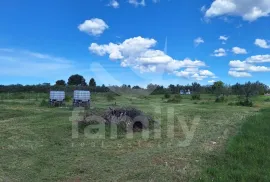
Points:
[(185, 92)]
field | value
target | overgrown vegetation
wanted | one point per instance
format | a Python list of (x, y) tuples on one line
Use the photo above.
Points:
[(76, 82), (247, 155), (267, 100), (221, 98), (167, 96), (44, 103), (175, 99), (195, 96)]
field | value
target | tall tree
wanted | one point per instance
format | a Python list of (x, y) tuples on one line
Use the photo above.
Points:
[(76, 80), (92, 83), (218, 88), (196, 87), (60, 83)]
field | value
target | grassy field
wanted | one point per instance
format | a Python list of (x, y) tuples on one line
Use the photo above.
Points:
[(37, 145), (247, 155)]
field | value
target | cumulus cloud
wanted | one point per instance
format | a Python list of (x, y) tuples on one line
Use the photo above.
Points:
[(220, 52), (138, 53), (259, 59), (249, 10), (198, 41), (137, 2), (238, 65), (241, 68), (238, 50), (114, 4), (239, 74), (94, 26), (262, 43)]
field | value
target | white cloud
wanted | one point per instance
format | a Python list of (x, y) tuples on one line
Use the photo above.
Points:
[(137, 2), (94, 27), (194, 73), (198, 41), (249, 10), (220, 52), (238, 50), (262, 43), (114, 4), (223, 37), (238, 65), (239, 74), (242, 67), (211, 81), (138, 53), (259, 59)]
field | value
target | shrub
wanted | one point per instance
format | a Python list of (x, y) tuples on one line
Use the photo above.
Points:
[(267, 100), (175, 99), (221, 99), (68, 98), (231, 104), (196, 97), (167, 96), (247, 103), (43, 103)]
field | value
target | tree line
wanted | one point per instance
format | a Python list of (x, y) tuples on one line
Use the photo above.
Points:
[(78, 82)]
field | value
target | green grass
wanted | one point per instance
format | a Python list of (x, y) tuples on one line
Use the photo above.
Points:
[(37, 145), (247, 155)]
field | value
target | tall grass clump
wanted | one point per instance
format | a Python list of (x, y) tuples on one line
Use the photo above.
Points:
[(167, 95), (175, 99)]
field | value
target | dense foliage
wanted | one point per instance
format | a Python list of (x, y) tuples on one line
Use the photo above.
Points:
[(76, 81)]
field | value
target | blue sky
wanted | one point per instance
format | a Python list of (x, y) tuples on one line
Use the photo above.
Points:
[(123, 41)]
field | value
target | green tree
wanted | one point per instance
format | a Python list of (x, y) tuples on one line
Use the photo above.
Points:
[(196, 87), (60, 83), (218, 88), (76, 80), (92, 83)]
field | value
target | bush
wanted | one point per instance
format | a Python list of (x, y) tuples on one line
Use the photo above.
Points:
[(247, 103), (231, 104), (175, 99), (68, 98), (267, 100), (196, 97), (43, 103), (221, 99), (167, 96)]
